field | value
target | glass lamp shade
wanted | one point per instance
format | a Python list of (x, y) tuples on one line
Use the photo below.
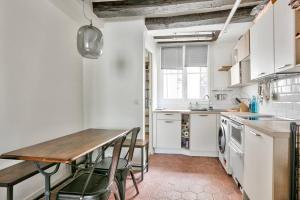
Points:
[(89, 42)]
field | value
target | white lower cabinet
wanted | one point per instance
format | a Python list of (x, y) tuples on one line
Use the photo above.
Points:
[(266, 174), (203, 133), (168, 134), (203, 128), (258, 165)]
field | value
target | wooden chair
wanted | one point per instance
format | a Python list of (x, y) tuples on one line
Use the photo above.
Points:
[(143, 145), (124, 166), (92, 186)]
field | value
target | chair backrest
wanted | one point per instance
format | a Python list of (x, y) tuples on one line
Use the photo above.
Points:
[(134, 133), (115, 158), (294, 160)]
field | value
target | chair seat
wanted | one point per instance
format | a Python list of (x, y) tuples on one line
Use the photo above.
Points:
[(106, 162), (96, 188)]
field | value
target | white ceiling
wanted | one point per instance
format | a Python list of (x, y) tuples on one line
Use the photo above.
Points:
[(233, 32)]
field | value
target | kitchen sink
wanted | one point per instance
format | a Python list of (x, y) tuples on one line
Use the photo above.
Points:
[(207, 110), (199, 109)]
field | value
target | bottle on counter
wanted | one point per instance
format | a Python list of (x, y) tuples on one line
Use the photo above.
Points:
[(254, 105), (250, 105)]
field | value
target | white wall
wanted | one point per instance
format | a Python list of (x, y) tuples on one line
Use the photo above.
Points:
[(288, 102), (40, 78), (113, 84)]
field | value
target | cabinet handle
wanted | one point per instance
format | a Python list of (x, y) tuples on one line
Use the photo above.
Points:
[(168, 114), (284, 66), (261, 74), (169, 122), (258, 135), (203, 115)]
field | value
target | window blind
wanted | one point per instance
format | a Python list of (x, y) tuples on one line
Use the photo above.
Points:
[(196, 56), (171, 57)]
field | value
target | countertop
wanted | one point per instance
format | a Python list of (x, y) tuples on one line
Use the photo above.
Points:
[(240, 114), (279, 128), (216, 111)]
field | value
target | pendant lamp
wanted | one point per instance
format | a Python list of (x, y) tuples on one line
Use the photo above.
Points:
[(89, 40)]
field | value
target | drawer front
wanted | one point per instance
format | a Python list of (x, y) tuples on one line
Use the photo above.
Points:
[(169, 116), (237, 163)]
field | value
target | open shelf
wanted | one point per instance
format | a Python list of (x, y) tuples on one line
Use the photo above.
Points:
[(185, 131), (224, 68)]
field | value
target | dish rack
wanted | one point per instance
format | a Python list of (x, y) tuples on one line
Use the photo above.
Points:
[(295, 161)]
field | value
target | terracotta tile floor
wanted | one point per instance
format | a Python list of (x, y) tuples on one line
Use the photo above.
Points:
[(173, 177)]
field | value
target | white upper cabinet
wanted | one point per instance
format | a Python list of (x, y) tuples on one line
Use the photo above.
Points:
[(235, 74), (243, 47), (284, 36), (262, 45)]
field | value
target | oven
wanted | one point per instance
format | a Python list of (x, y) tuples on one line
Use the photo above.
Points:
[(237, 134), (236, 146)]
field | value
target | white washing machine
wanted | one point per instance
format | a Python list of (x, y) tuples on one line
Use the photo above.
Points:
[(223, 141)]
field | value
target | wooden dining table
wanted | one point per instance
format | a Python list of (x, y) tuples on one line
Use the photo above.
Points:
[(66, 149)]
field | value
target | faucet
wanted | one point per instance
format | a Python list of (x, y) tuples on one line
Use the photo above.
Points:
[(209, 102)]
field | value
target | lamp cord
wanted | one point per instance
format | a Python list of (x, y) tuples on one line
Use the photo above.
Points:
[(89, 19)]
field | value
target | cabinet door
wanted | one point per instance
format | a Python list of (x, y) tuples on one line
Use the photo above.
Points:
[(284, 33), (235, 74), (244, 47), (258, 165), (203, 132), (168, 134), (262, 46)]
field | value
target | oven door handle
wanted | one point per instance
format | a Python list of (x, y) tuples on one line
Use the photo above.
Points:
[(232, 146), (239, 127)]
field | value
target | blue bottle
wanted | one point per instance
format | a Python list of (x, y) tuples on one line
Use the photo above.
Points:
[(254, 105)]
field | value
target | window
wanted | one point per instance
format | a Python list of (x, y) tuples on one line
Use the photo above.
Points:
[(184, 81), (171, 57), (197, 82), (172, 84)]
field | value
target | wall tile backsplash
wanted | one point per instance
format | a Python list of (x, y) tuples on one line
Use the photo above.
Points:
[(285, 102)]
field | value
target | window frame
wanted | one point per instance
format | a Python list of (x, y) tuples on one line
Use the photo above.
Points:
[(184, 100)]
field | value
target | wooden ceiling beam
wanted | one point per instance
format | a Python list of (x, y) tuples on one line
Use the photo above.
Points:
[(219, 17), (163, 8)]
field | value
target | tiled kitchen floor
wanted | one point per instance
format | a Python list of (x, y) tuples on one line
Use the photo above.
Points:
[(174, 177)]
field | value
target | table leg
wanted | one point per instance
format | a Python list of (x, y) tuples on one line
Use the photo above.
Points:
[(47, 176), (10, 193), (103, 152), (90, 159), (142, 164), (73, 167), (147, 158)]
